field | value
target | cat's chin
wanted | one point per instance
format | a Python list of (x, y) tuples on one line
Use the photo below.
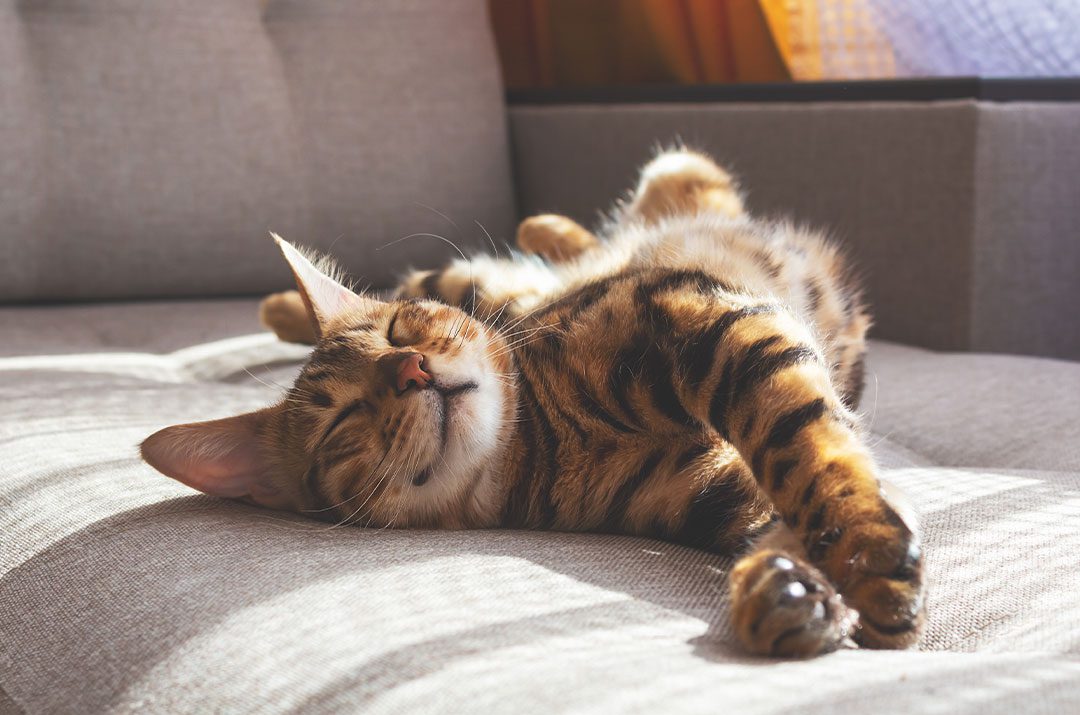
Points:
[(466, 417)]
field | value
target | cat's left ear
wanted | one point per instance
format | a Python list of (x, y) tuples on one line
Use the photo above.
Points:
[(324, 296), (222, 458)]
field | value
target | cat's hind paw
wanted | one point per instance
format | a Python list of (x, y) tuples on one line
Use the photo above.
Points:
[(285, 314)]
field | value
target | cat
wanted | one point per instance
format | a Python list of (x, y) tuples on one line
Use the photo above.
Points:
[(688, 374)]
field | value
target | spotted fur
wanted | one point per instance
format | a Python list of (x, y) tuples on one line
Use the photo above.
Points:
[(688, 374)]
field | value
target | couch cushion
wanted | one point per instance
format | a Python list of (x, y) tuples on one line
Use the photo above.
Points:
[(122, 590), (147, 148)]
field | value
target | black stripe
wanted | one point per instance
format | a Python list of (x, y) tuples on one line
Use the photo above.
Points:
[(750, 357), (808, 494), (333, 352), (689, 455), (551, 449), (657, 372), (790, 423), (718, 403), (321, 399), (813, 296), (785, 428), (781, 470), (585, 297), (595, 409), (312, 485), (619, 386), (390, 328), (711, 514), (430, 285), (817, 519), (756, 369), (331, 458), (748, 426), (516, 508), (755, 533), (672, 279), (565, 417), (698, 280), (853, 384), (343, 415), (624, 497), (314, 374), (701, 349)]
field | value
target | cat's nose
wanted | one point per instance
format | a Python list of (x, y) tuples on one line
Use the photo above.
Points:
[(410, 373)]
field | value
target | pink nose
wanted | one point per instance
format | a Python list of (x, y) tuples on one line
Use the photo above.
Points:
[(410, 374)]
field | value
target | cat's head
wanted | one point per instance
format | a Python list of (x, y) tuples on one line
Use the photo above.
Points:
[(396, 419)]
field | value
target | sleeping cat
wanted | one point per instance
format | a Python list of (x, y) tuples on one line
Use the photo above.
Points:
[(688, 375)]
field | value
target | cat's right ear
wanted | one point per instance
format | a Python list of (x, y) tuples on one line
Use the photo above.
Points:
[(223, 458), (324, 296)]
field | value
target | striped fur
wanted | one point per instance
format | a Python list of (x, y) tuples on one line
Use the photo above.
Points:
[(688, 375)]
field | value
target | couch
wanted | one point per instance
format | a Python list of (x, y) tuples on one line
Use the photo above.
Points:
[(146, 149)]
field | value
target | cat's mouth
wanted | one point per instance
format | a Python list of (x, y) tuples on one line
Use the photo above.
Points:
[(446, 399)]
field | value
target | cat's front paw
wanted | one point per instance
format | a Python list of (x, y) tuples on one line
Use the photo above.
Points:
[(874, 555), (556, 238), (782, 606), (885, 584)]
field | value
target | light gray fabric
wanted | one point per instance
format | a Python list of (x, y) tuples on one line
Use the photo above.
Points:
[(1027, 220), (123, 591), (961, 214), (146, 148)]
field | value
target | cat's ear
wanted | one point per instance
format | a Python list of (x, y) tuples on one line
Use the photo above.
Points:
[(223, 458), (324, 296)]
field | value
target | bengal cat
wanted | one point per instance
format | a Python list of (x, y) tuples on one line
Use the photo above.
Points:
[(688, 375)]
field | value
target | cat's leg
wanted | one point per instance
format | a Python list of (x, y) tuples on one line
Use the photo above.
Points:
[(752, 371), (285, 314), (556, 238), (680, 182), (781, 605)]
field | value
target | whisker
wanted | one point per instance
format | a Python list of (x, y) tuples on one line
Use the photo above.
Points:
[(489, 238)]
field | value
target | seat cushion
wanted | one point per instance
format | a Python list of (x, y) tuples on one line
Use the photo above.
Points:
[(147, 148), (122, 590)]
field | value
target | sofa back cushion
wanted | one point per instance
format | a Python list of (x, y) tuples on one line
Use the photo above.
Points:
[(147, 148)]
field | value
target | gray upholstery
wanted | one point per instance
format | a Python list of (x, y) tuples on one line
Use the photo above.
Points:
[(121, 590), (961, 214), (146, 148)]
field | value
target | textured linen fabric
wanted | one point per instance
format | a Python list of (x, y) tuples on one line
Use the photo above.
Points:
[(146, 148), (123, 591), (961, 214)]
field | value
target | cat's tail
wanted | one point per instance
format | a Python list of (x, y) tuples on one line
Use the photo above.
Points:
[(286, 315)]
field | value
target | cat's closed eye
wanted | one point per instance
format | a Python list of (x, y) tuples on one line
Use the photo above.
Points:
[(390, 331)]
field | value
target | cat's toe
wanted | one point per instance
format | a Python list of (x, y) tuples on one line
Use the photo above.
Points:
[(784, 607)]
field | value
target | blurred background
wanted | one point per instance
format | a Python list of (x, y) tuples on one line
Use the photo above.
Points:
[(568, 43)]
